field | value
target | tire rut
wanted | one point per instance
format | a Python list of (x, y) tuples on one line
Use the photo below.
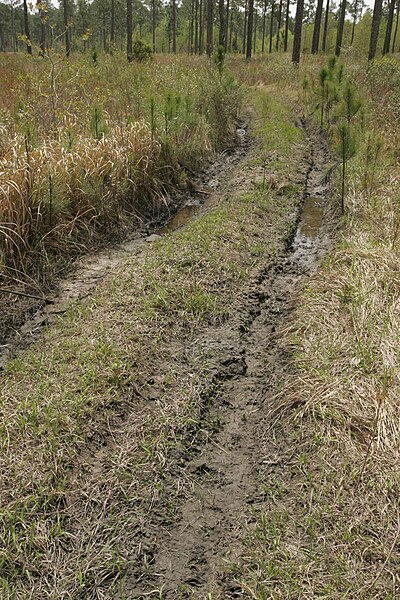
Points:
[(248, 363)]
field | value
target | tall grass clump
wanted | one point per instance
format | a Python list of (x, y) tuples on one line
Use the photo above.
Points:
[(90, 147)]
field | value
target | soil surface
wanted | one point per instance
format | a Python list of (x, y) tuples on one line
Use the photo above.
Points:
[(24, 314), (194, 557)]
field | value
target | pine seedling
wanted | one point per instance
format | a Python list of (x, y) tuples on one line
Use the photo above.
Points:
[(350, 104), (219, 60), (345, 147), (323, 78), (168, 110), (98, 126), (153, 123)]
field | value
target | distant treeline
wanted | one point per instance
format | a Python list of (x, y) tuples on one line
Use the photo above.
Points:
[(199, 26)]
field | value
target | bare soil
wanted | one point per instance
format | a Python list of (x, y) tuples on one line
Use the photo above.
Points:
[(194, 557)]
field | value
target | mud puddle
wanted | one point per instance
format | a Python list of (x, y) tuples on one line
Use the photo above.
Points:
[(181, 218), (89, 270), (196, 555)]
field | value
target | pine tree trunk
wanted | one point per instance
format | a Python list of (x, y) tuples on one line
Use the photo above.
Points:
[(153, 24), (112, 27), (271, 25), (250, 29), (13, 36), (231, 33), (191, 28), (173, 26), (221, 14), (285, 43), (397, 26), (42, 20), (339, 36), (317, 27), (263, 26), (376, 22), (298, 26), (66, 28), (255, 19), (196, 27), (278, 25), (210, 17), (201, 27), (26, 29), (245, 26), (227, 26), (129, 30), (325, 26), (353, 29), (389, 26)]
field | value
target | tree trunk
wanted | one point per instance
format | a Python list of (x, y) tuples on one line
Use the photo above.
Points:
[(210, 17), (255, 19), (271, 25), (221, 14), (250, 29), (245, 26), (13, 36), (376, 21), (227, 26), (389, 26), (325, 26), (339, 36), (112, 27), (196, 27), (26, 29), (153, 24), (263, 25), (278, 25), (397, 26), (317, 27), (42, 21), (353, 29), (201, 27), (129, 30), (298, 26), (104, 32), (191, 28), (173, 26), (285, 43), (66, 28), (231, 33)]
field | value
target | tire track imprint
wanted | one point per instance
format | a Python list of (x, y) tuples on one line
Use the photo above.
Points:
[(248, 363)]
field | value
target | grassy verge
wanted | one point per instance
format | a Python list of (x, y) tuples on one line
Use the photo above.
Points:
[(90, 148), (330, 522), (98, 420)]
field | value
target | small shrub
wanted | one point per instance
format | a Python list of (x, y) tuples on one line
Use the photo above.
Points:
[(141, 51)]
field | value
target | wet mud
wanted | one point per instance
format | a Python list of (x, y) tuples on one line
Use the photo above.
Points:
[(195, 556)]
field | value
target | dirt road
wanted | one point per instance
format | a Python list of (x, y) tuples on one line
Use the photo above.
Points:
[(197, 555)]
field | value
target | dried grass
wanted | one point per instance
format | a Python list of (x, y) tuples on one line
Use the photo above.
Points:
[(99, 149)]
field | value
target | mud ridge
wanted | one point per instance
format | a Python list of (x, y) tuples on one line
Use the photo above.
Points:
[(194, 557)]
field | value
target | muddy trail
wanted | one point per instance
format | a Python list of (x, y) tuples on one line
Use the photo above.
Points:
[(24, 315), (194, 557)]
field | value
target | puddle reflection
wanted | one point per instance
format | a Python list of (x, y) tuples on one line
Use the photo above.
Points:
[(311, 218), (180, 219)]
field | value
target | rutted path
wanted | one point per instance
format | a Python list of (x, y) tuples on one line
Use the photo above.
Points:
[(90, 270), (248, 363), (155, 396)]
